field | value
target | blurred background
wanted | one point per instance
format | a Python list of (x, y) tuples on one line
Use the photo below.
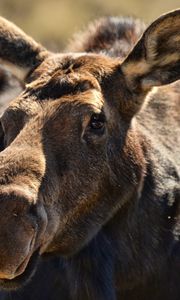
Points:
[(53, 22)]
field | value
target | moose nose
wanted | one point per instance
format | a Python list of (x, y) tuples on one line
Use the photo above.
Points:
[(9, 272), (17, 234)]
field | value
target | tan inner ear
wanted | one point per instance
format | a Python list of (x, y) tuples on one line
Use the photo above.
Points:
[(155, 64), (134, 68)]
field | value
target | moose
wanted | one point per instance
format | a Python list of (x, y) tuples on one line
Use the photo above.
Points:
[(90, 164)]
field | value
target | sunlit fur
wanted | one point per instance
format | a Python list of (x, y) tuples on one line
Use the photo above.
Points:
[(97, 207)]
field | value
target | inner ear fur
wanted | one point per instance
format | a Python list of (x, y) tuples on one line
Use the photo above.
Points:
[(19, 52), (155, 59)]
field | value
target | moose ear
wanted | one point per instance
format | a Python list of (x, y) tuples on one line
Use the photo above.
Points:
[(155, 59), (19, 52)]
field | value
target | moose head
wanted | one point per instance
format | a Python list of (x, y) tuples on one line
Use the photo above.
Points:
[(72, 155)]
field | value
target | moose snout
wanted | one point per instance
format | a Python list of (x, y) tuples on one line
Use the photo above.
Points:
[(23, 219), (18, 230)]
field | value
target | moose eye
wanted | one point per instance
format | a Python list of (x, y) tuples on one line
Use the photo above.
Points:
[(97, 122)]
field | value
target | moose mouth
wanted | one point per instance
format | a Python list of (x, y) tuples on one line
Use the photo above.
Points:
[(22, 279)]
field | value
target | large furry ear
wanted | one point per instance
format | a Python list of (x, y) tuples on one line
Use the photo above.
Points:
[(19, 52), (155, 59)]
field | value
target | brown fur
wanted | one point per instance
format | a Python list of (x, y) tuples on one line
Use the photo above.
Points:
[(90, 169)]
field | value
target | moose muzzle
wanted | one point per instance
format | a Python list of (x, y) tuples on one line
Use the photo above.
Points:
[(17, 235), (21, 220)]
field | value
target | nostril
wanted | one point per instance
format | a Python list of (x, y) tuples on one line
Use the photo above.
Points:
[(12, 264), (20, 269)]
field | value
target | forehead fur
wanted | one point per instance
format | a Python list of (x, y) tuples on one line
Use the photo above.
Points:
[(69, 74)]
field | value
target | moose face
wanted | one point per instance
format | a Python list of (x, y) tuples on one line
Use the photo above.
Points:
[(61, 140), (72, 155)]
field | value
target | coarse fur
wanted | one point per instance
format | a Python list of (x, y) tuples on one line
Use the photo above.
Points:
[(90, 171)]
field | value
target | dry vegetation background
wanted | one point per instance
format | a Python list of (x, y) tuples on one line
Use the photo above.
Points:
[(52, 22)]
